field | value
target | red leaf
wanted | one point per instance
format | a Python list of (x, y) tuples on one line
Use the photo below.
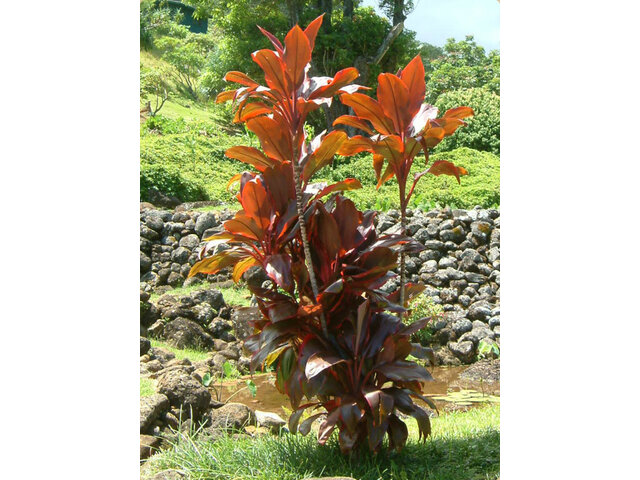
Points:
[(459, 112), (274, 41), (443, 167), (324, 153), (348, 184), (211, 265), (272, 137), (243, 225), (342, 78), (378, 162), (391, 148), (398, 433), (426, 113), (318, 363), (225, 96), (413, 77), (402, 371), (353, 121), (252, 156), (297, 54), (312, 30), (256, 204), (273, 69), (386, 176), (241, 78), (251, 110), (327, 427), (368, 109), (278, 268), (354, 145), (242, 266), (393, 97)]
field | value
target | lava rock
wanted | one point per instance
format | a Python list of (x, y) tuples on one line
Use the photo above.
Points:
[(184, 333), (232, 417), (464, 351), (461, 326), (184, 392), (152, 408)]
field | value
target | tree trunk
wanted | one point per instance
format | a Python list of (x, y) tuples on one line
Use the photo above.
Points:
[(326, 7), (347, 9)]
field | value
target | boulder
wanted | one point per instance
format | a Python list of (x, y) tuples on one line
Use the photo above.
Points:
[(175, 279), (464, 351), (148, 445), (232, 417), (205, 221), (462, 326), (180, 255), (145, 345), (190, 241), (241, 318), (480, 311), (272, 421), (212, 297), (152, 408), (185, 392), (184, 333)]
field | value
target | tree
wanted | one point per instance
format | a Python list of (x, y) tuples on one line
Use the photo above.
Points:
[(187, 53), (153, 82), (464, 64)]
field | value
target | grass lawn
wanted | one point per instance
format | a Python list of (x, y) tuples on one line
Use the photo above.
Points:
[(463, 446), (236, 296)]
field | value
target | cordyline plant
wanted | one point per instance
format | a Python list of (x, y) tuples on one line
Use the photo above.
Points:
[(323, 324), (405, 126)]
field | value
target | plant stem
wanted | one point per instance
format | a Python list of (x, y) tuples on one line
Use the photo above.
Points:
[(297, 180), (403, 231)]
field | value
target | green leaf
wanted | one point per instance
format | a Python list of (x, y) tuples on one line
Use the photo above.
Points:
[(228, 369), (252, 387), (206, 379)]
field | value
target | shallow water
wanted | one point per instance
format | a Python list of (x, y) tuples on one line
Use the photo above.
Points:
[(445, 381)]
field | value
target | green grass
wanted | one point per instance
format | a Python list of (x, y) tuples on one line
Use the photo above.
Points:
[(464, 446), (147, 387), (190, 354), (236, 296), (480, 187)]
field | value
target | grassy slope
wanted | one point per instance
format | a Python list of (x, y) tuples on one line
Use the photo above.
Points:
[(463, 446), (198, 153)]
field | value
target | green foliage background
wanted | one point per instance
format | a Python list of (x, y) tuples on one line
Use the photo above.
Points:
[(483, 129)]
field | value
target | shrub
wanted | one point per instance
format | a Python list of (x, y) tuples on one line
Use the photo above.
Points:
[(463, 64), (423, 306), (324, 325), (483, 131), (169, 180), (198, 157)]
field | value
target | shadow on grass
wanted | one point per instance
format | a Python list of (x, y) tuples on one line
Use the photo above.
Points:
[(292, 457)]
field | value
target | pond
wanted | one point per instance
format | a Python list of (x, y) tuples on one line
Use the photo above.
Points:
[(448, 390)]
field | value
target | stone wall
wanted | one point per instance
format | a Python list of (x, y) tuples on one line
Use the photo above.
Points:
[(460, 267)]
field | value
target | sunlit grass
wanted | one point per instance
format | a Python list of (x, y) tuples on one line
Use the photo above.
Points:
[(147, 387), (463, 446), (188, 353), (236, 295)]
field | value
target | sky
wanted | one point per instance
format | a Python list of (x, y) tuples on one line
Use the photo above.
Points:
[(436, 20)]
